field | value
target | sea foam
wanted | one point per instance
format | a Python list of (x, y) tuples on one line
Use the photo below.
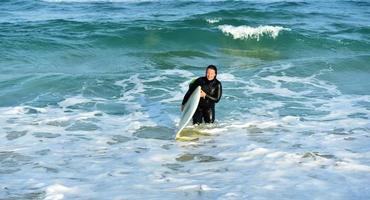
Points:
[(213, 20), (247, 32), (57, 191)]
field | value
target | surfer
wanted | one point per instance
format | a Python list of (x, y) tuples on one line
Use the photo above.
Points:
[(210, 94)]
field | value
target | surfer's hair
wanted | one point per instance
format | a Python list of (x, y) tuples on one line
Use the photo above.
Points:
[(212, 67)]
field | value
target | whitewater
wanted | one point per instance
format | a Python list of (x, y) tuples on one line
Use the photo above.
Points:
[(90, 94)]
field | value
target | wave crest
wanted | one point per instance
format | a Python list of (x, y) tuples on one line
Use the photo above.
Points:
[(247, 32)]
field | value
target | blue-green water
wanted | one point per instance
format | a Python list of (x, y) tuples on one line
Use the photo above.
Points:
[(90, 95)]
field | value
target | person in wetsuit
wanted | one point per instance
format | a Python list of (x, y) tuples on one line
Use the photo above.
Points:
[(211, 91)]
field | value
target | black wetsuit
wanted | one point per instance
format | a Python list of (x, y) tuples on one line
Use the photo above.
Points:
[(206, 107)]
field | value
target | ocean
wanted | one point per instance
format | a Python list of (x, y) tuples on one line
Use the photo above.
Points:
[(90, 94)]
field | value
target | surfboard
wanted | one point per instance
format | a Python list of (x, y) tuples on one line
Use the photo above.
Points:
[(191, 134), (189, 110)]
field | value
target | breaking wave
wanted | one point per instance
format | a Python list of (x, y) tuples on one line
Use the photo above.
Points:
[(247, 32)]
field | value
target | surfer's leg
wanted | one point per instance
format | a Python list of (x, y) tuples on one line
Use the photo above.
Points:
[(213, 114), (197, 117), (208, 115)]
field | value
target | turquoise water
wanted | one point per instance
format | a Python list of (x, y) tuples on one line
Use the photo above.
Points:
[(90, 95)]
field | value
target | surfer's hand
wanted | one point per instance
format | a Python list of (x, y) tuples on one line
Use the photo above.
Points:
[(203, 94), (182, 108)]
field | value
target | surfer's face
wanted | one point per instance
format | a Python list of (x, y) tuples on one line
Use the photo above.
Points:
[(211, 74)]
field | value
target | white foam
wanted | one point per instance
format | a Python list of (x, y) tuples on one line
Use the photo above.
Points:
[(177, 95), (352, 167), (74, 101), (252, 154), (195, 188), (277, 68), (213, 20), (291, 119), (179, 72), (276, 87), (154, 79), (157, 158), (128, 93), (277, 90), (58, 192), (278, 156), (247, 32), (266, 107), (22, 110), (343, 106), (226, 77)]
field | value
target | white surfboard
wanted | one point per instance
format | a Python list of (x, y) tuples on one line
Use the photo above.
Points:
[(189, 110)]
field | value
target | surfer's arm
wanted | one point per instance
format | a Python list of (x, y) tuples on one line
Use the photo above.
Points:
[(217, 96)]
